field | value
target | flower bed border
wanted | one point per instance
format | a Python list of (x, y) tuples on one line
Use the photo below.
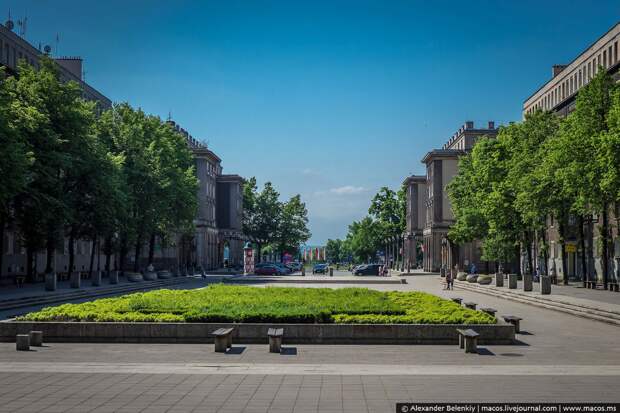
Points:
[(255, 333)]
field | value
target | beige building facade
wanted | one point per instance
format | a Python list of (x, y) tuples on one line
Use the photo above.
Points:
[(429, 213), (218, 238), (558, 95)]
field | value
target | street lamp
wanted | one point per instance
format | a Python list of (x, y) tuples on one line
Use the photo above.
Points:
[(410, 237), (444, 255)]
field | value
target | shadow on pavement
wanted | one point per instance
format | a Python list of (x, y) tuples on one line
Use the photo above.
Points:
[(288, 351), (236, 350)]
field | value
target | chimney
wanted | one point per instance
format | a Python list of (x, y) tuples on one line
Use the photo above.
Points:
[(469, 124), (72, 65), (556, 69), (491, 124)]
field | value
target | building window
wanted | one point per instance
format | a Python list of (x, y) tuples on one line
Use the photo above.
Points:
[(604, 58), (615, 52)]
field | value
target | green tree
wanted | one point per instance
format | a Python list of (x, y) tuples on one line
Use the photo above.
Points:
[(364, 239), (53, 120), (261, 213), (292, 227), (334, 250), (15, 153)]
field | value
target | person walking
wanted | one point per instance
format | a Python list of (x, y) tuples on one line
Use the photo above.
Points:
[(449, 284)]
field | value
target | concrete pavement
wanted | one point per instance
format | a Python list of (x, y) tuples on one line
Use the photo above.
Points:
[(560, 357)]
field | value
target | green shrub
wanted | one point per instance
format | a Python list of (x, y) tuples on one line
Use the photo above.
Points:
[(240, 304)]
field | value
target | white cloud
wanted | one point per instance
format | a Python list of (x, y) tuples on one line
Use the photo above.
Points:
[(348, 190)]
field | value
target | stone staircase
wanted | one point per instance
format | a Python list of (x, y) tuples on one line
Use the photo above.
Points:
[(62, 296), (606, 313)]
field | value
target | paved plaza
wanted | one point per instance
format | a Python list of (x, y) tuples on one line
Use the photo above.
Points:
[(558, 357)]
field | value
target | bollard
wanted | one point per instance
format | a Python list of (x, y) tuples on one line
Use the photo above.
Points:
[(113, 277), (527, 282), (22, 342), (512, 281), (96, 280), (545, 285), (36, 338), (331, 272), (499, 279), (50, 281), (75, 279)]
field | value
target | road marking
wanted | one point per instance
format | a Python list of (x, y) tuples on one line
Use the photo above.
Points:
[(314, 369)]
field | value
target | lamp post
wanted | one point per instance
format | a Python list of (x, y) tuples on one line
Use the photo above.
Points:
[(444, 255), (410, 237)]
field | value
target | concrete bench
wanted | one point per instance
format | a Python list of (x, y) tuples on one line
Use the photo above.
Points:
[(514, 320), (223, 339), (489, 311), (457, 300), (470, 305), (22, 342), (468, 339), (275, 339)]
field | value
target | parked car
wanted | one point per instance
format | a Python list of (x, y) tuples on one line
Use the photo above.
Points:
[(294, 266), (320, 269), (368, 269), (284, 270), (267, 269)]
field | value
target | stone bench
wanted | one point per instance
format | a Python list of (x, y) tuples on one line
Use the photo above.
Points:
[(223, 339), (489, 311), (457, 300), (514, 320), (470, 305), (468, 339), (275, 339)]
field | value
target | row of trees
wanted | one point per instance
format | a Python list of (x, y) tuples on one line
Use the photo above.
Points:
[(69, 171), (276, 226), (542, 170), (385, 220)]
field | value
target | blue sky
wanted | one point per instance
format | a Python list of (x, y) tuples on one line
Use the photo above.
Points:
[(329, 99)]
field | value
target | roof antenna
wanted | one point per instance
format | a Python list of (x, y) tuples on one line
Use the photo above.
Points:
[(169, 115), (23, 25), (57, 41), (9, 22)]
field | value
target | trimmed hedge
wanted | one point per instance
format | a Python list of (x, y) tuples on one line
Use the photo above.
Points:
[(242, 304)]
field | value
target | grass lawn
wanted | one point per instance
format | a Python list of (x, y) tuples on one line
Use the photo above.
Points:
[(242, 304)]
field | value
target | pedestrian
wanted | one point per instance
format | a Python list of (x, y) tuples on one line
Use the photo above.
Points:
[(448, 279)]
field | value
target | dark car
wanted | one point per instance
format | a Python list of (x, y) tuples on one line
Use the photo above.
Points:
[(368, 269), (320, 269), (266, 269)]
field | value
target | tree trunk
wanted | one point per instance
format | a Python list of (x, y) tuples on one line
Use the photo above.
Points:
[(49, 248), (71, 250), (108, 253), (92, 256), (151, 248), (29, 266), (562, 230), (518, 251), (258, 251), (605, 252), (138, 251), (545, 266), (585, 276), (122, 256), (2, 225), (528, 250)]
